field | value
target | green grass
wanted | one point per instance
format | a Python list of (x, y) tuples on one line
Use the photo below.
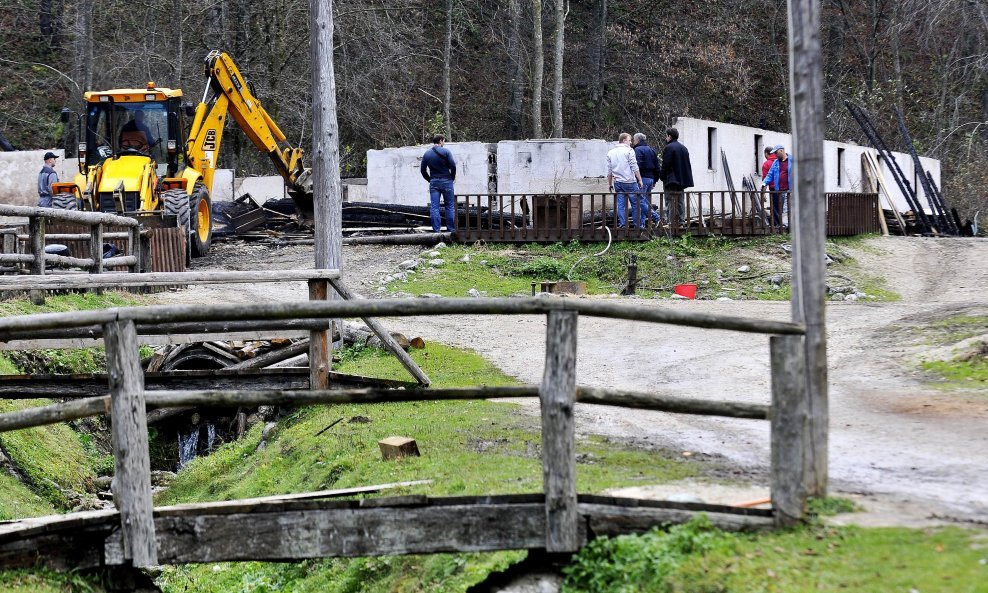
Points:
[(710, 262), (470, 447), (52, 457), (696, 558), (69, 302), (45, 581), (970, 374), (17, 500)]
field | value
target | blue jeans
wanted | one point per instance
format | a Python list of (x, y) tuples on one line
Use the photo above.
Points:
[(627, 192), (647, 185), (445, 188)]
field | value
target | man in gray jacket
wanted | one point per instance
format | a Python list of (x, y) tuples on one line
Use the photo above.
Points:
[(46, 178)]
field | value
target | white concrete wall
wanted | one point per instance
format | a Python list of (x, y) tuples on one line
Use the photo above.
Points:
[(393, 175), (19, 174), (740, 144), (552, 166)]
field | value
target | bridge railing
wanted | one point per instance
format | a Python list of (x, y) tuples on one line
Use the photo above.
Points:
[(127, 401)]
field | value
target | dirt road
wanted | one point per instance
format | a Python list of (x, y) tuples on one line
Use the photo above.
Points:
[(893, 438)]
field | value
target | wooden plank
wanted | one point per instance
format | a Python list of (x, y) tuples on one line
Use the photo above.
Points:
[(790, 474), (70, 281), (644, 400), (132, 478), (386, 340), (393, 307), (150, 340), (269, 358), (611, 521), (558, 394), (96, 249), (320, 343)]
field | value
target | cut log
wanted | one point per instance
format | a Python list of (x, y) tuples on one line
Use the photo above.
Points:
[(396, 447)]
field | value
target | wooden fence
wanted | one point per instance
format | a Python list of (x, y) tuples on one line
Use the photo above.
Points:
[(558, 520), (593, 217)]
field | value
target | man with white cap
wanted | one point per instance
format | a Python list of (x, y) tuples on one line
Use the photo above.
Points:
[(46, 178)]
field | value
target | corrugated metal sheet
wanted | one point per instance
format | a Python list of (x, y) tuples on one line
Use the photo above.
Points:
[(168, 249)]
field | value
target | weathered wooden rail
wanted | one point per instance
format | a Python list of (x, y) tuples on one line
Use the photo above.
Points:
[(593, 216), (557, 520)]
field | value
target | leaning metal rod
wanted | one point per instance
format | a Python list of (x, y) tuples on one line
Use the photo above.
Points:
[(939, 212)]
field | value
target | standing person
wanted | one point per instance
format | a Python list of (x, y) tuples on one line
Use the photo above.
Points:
[(779, 180), (766, 165), (624, 179), (439, 169), (648, 168), (676, 174), (46, 178)]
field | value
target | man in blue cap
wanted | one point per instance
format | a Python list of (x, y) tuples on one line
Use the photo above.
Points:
[(46, 178), (779, 182)]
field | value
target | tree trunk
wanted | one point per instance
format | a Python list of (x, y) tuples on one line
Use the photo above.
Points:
[(598, 58), (447, 56), (537, 69), (179, 43), (84, 44), (517, 71), (562, 7)]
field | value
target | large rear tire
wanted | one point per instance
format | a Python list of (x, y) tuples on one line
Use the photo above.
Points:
[(65, 202), (175, 202), (201, 234)]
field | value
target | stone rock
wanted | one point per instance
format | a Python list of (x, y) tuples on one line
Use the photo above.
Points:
[(744, 269), (253, 419), (465, 258), (679, 297), (851, 297), (861, 295), (758, 289), (837, 297), (435, 263), (432, 254), (103, 482), (430, 295), (409, 264), (403, 295), (775, 280), (387, 279), (439, 245), (266, 412), (724, 298), (719, 272), (483, 262), (162, 478), (670, 257), (476, 293)]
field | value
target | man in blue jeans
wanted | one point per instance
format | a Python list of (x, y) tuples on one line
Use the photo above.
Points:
[(648, 168), (624, 179), (439, 169)]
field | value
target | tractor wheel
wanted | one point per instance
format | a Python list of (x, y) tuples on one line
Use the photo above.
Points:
[(65, 202), (202, 221), (175, 202)]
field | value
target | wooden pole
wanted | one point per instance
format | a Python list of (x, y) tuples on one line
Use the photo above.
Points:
[(135, 249), (37, 232), (96, 248), (320, 343), (790, 430), (132, 480), (558, 394), (386, 339), (809, 229), (327, 198)]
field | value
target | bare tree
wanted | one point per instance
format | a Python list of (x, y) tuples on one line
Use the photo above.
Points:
[(598, 57), (447, 56), (538, 59), (562, 8), (517, 73)]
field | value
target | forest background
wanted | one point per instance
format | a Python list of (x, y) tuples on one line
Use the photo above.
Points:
[(489, 70)]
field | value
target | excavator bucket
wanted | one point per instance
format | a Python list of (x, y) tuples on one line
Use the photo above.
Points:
[(302, 195)]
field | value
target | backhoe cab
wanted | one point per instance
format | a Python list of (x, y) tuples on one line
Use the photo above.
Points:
[(136, 159)]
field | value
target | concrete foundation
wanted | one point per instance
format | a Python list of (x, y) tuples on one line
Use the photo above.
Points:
[(393, 175), (19, 174)]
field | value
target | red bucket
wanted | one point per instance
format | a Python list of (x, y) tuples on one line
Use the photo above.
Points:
[(686, 290)]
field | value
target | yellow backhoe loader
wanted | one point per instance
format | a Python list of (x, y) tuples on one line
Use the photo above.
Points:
[(135, 158)]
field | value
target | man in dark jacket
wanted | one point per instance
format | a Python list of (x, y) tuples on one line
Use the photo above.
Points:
[(46, 177), (439, 169), (648, 166), (676, 174)]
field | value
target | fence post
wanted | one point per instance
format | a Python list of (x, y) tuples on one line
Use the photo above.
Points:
[(145, 256), (36, 228), (558, 395), (790, 426), (135, 248), (320, 342), (132, 480), (96, 248)]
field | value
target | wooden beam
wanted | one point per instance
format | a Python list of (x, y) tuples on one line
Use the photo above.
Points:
[(809, 292), (643, 400), (320, 343), (790, 430), (36, 227), (96, 248), (392, 308), (132, 478), (121, 280), (558, 395), (59, 215), (389, 342), (269, 358)]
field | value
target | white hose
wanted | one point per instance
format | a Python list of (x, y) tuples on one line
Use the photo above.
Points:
[(580, 261)]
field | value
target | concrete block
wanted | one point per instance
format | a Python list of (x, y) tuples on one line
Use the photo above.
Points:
[(393, 175)]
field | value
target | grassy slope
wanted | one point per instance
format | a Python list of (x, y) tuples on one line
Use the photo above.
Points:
[(712, 263), (807, 560)]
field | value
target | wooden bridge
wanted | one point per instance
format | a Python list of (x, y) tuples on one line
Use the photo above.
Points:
[(313, 525)]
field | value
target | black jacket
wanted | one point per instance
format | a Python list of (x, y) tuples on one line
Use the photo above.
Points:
[(648, 161), (676, 169)]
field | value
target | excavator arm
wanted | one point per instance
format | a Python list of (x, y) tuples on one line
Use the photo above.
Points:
[(228, 94)]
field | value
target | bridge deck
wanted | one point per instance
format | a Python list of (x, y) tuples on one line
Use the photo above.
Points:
[(283, 529)]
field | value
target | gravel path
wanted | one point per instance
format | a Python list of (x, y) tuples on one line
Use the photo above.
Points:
[(893, 438)]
